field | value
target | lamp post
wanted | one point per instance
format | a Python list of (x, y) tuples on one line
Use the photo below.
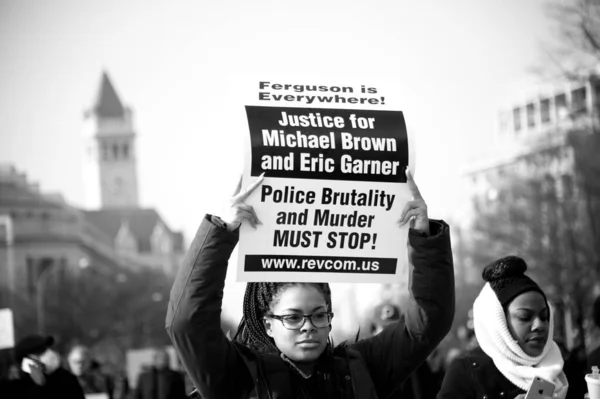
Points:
[(41, 283)]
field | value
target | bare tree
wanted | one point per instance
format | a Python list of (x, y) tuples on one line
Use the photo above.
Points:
[(575, 49)]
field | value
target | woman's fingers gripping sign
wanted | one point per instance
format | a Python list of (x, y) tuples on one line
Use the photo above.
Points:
[(239, 211), (415, 211)]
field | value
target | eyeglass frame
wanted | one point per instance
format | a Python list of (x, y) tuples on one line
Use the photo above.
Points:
[(304, 318)]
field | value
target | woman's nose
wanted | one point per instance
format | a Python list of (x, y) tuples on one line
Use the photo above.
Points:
[(308, 325), (539, 324)]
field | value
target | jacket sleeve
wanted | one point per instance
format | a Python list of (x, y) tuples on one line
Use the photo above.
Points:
[(457, 382), (401, 347), (194, 313)]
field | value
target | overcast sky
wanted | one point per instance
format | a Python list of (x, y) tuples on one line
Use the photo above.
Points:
[(456, 62)]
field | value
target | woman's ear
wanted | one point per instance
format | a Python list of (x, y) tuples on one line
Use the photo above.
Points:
[(268, 327)]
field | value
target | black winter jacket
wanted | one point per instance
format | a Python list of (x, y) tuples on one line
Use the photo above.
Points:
[(475, 376), (61, 384), (371, 368)]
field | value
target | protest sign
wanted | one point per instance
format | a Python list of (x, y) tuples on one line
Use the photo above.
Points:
[(334, 159), (7, 331)]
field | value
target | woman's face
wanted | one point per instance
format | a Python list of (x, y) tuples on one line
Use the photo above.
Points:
[(306, 344), (528, 320)]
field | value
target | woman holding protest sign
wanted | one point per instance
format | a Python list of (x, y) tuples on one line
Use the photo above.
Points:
[(282, 349), (514, 328)]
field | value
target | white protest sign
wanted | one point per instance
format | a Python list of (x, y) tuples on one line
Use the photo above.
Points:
[(334, 158), (7, 330)]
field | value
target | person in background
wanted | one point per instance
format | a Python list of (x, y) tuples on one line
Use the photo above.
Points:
[(593, 357), (426, 380), (160, 382), (514, 328), (383, 315), (467, 342), (40, 375), (88, 372)]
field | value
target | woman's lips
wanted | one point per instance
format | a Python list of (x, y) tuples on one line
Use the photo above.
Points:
[(536, 340), (308, 343)]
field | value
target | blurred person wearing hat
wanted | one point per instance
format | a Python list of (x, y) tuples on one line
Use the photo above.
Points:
[(40, 375)]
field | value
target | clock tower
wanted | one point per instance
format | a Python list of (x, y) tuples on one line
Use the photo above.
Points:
[(109, 165)]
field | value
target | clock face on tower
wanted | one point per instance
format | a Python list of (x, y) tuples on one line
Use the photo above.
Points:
[(117, 186), (118, 191)]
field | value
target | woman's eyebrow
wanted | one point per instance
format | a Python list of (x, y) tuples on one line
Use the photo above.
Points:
[(532, 310), (300, 310)]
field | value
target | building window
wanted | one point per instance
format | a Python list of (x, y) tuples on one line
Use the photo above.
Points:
[(596, 85), (125, 151), (578, 100), (530, 115), (560, 103), (105, 153), (545, 110), (517, 119), (115, 151)]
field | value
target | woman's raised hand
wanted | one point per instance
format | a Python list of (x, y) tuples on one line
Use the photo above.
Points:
[(239, 211), (415, 211)]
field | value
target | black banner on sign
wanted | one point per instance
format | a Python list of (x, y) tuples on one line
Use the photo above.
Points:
[(323, 264), (330, 144)]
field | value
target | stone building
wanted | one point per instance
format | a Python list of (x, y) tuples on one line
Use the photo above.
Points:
[(42, 239), (531, 136)]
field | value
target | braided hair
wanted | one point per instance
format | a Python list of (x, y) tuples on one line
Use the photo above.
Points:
[(259, 299)]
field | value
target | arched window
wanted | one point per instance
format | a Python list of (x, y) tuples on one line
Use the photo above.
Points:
[(125, 151), (115, 151)]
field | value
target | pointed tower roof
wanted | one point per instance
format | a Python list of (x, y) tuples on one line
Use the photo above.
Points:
[(107, 103)]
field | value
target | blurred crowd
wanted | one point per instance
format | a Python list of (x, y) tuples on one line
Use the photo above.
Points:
[(38, 370)]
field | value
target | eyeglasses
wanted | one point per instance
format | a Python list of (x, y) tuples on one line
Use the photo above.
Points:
[(296, 321)]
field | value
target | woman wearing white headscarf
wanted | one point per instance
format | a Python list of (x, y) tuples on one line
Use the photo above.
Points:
[(514, 328)]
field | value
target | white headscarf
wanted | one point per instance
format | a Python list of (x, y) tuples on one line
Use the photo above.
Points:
[(496, 341)]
